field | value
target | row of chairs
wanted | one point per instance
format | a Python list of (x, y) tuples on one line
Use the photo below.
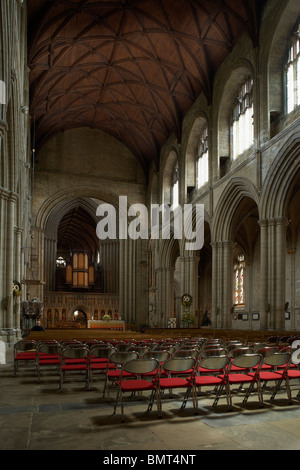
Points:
[(217, 373), (157, 366)]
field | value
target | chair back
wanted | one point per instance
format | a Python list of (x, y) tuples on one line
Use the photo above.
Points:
[(73, 351), (239, 351), (25, 345), (278, 359), (247, 361), (141, 366), (49, 348), (258, 346), (160, 356), (267, 350), (179, 364), (233, 346), (122, 347), (139, 349), (186, 353), (120, 357), (214, 352), (101, 351), (218, 363)]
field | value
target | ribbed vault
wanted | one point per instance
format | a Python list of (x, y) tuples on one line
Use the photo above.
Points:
[(131, 68)]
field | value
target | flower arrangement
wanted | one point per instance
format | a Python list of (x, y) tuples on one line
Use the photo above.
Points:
[(106, 317), (17, 289), (187, 318)]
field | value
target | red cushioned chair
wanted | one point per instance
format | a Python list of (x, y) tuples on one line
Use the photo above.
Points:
[(99, 357), (168, 378), (48, 355), (134, 379), (245, 369), (278, 365), (212, 375), (74, 360), (114, 368), (24, 354)]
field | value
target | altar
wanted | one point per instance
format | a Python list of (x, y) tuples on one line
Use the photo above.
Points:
[(117, 325)]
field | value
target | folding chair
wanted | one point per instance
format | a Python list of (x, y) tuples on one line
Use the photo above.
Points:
[(139, 369), (278, 364), (75, 360), (98, 360), (243, 370), (112, 374), (212, 374), (173, 367), (25, 353), (48, 354)]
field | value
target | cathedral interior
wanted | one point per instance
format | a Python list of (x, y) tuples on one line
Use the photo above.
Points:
[(112, 112)]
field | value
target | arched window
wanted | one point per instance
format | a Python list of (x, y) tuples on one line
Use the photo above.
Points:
[(202, 158), (175, 188), (242, 119), (292, 72), (239, 289)]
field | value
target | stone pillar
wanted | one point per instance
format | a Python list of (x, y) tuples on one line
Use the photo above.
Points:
[(222, 283), (280, 271), (3, 214), (10, 259), (215, 291), (18, 274), (264, 298), (227, 283), (189, 282), (165, 295)]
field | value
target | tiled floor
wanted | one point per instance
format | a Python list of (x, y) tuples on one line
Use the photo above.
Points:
[(37, 416)]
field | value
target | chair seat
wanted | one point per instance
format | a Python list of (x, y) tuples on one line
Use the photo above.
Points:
[(76, 361), (174, 382), (101, 366), (136, 385), (74, 367), (23, 356), (293, 374), (99, 359), (49, 361), (269, 375), (242, 378), (115, 374), (202, 380)]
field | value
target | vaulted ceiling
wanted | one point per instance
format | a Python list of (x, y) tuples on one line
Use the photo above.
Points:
[(131, 68)]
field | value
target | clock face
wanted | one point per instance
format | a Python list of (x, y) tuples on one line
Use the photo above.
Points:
[(186, 298)]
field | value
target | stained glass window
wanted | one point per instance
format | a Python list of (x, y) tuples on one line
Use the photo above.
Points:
[(239, 290)]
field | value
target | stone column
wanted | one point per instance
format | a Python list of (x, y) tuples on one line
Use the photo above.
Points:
[(189, 282), (227, 283), (10, 259), (264, 299), (280, 271), (18, 274), (215, 291), (3, 214), (165, 295)]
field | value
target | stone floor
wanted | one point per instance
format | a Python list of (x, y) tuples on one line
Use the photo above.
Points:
[(38, 416)]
